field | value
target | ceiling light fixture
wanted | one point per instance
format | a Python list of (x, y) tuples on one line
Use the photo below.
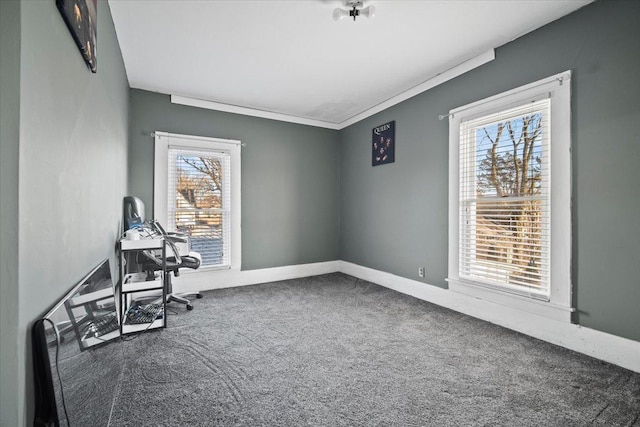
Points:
[(356, 10)]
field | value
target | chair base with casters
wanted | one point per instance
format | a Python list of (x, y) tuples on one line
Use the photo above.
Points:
[(180, 298)]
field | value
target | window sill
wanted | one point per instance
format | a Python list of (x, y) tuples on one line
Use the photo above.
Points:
[(531, 305)]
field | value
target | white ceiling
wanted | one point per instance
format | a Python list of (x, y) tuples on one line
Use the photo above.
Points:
[(290, 57)]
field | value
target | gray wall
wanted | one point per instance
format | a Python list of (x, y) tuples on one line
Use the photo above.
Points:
[(394, 217), (9, 136), (290, 177), (72, 169), (64, 155)]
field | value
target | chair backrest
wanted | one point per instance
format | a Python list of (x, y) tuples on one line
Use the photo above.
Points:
[(178, 251)]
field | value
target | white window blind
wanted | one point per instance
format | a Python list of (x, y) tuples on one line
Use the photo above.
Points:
[(199, 201), (504, 199)]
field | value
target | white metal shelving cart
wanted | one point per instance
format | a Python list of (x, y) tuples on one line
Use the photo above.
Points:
[(136, 287)]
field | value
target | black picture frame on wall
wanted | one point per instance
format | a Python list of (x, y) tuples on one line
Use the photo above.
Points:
[(383, 144), (81, 17)]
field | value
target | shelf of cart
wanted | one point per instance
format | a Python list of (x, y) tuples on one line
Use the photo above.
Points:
[(139, 327), (137, 282), (143, 314), (138, 245)]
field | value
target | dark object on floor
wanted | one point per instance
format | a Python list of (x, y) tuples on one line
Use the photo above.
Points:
[(77, 355)]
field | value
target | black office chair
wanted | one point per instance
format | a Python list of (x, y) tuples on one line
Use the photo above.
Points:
[(133, 213)]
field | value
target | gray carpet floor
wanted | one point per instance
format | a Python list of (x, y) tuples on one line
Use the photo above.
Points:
[(333, 350)]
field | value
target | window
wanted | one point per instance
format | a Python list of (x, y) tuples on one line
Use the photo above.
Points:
[(196, 192), (509, 196)]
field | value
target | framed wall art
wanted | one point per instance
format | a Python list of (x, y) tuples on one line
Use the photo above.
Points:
[(81, 17), (383, 141)]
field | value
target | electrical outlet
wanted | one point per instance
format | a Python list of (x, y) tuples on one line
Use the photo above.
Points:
[(421, 271)]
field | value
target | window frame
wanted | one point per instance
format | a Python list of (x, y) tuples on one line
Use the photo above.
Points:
[(558, 305), (164, 140)]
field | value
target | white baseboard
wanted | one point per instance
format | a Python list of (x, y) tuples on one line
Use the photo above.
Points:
[(601, 345), (203, 280)]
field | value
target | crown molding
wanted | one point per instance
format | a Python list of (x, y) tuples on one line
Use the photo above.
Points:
[(443, 77), (253, 112)]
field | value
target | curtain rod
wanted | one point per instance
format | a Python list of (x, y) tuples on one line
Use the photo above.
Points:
[(559, 79), (153, 135)]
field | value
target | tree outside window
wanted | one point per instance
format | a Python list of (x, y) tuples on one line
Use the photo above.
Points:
[(509, 201), (199, 204)]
